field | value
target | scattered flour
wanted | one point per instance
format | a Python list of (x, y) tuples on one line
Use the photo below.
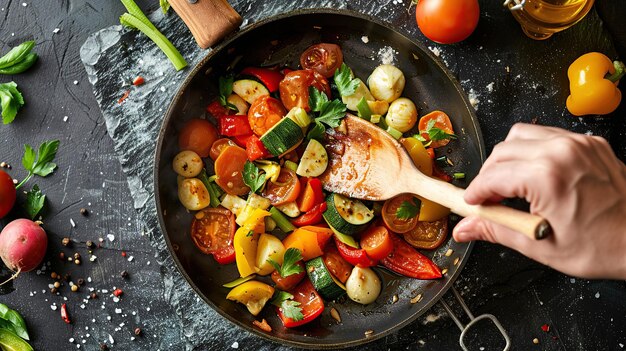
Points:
[(435, 50), (387, 55), (473, 98)]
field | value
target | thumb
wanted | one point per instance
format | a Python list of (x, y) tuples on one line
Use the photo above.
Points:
[(476, 228)]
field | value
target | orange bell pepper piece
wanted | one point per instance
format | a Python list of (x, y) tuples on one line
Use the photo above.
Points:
[(310, 240), (593, 85)]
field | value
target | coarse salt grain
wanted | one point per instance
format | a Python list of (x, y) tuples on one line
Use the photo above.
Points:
[(65, 118), (235, 345), (118, 310), (130, 258), (53, 307), (75, 82), (82, 306), (56, 30), (490, 87), (111, 237), (24, 4), (108, 318), (365, 39), (111, 339), (72, 223), (71, 339), (92, 258), (597, 295)]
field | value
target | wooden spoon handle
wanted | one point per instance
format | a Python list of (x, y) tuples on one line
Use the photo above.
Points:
[(208, 20), (448, 195)]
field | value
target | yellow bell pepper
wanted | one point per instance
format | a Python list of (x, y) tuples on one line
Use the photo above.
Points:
[(431, 211), (246, 240), (253, 294), (418, 154), (593, 85)]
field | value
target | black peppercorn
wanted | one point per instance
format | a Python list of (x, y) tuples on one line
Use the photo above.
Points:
[(93, 296), (124, 274), (80, 282), (84, 211), (104, 347), (90, 244)]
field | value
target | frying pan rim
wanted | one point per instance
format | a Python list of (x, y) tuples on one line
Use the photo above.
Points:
[(169, 116)]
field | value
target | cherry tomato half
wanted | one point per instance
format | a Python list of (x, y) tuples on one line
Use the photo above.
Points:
[(286, 189), (442, 121), (323, 58), (428, 235), (376, 242), (198, 135), (218, 146), (7, 193), (290, 281), (447, 21), (229, 170), (264, 113), (294, 88), (337, 266), (213, 230), (390, 217)]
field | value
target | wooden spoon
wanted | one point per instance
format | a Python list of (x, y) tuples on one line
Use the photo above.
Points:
[(365, 162)]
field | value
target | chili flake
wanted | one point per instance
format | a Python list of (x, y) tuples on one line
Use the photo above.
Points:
[(64, 314), (117, 292), (262, 325), (545, 328), (124, 97), (123, 253), (138, 81)]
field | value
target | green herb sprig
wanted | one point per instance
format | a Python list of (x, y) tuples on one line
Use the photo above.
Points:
[(11, 100), (409, 209), (252, 178), (287, 305), (39, 163), (290, 263)]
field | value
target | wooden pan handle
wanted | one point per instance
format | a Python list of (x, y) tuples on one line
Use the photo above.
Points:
[(208, 20), (450, 196)]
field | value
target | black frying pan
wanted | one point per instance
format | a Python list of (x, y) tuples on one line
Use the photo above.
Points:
[(280, 41)]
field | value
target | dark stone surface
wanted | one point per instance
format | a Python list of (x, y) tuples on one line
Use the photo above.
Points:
[(583, 315)]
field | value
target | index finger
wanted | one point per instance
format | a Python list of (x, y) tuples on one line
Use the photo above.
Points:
[(525, 131)]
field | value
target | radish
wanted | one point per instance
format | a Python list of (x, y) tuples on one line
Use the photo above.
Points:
[(23, 245)]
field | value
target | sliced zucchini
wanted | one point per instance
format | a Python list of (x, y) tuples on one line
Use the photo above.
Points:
[(299, 115), (314, 160), (290, 209), (258, 201), (239, 281), (282, 137), (249, 90), (323, 281), (346, 239), (291, 165), (361, 92), (234, 203), (345, 215)]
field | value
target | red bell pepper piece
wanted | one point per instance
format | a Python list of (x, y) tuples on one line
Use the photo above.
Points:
[(312, 194), (431, 153), (356, 257), (255, 148), (241, 140), (270, 78), (313, 216), (234, 125), (310, 301), (216, 109), (225, 255), (405, 260)]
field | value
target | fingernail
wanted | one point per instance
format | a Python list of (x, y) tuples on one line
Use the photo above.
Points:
[(461, 236)]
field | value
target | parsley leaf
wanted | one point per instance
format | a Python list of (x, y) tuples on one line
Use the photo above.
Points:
[(252, 178), (39, 163), (226, 88), (330, 112), (435, 133), (345, 83), (250, 233), (409, 209), (290, 266), (316, 132), (288, 306), (35, 200), (11, 100)]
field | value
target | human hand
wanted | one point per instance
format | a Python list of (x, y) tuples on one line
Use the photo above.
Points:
[(574, 181)]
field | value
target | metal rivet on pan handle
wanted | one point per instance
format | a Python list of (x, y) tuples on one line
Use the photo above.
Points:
[(473, 320), (519, 4)]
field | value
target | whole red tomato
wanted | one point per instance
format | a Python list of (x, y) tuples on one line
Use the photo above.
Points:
[(447, 21), (7, 193)]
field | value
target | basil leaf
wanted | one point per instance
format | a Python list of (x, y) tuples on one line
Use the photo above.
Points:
[(18, 325), (17, 54)]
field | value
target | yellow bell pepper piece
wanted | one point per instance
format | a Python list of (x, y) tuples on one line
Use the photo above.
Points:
[(253, 294), (418, 154), (592, 91), (431, 211), (246, 240)]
